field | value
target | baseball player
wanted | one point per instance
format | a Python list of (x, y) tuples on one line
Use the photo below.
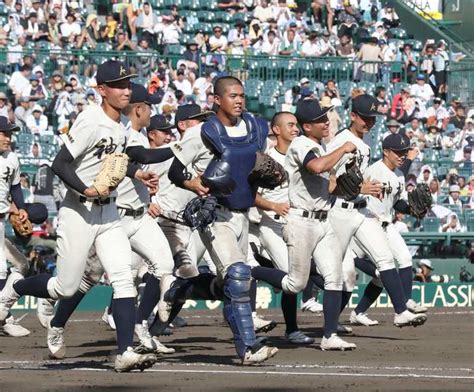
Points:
[(306, 230), (88, 218), (394, 198), (10, 188), (236, 137), (273, 205), (351, 218), (132, 201)]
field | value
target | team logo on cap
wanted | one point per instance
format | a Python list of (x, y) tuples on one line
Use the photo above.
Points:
[(373, 107), (402, 141), (123, 71)]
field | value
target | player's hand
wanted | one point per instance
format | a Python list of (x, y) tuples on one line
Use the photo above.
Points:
[(349, 147), (195, 185), (92, 192), (22, 215), (281, 209), (149, 179), (372, 188), (413, 153), (154, 210)]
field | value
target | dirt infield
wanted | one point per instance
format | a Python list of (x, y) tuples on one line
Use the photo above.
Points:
[(438, 356)]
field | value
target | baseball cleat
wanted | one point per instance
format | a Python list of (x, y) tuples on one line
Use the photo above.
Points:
[(131, 360), (362, 319), (311, 305), (161, 348), (13, 329), (56, 345), (108, 318), (335, 343), (298, 337), (262, 325), (178, 322), (343, 329), (164, 307), (45, 311), (8, 296), (413, 307), (141, 330), (259, 356), (407, 319)]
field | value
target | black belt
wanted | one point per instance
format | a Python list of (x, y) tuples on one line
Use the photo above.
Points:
[(319, 215), (134, 213), (359, 205), (233, 209), (99, 202)]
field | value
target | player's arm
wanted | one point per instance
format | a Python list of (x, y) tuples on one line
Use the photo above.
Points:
[(267, 205), (325, 163), (147, 156), (179, 175)]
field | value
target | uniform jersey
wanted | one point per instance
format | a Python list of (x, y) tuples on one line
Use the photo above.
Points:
[(362, 155), (393, 183), (10, 175), (93, 135), (306, 190), (132, 193), (280, 193)]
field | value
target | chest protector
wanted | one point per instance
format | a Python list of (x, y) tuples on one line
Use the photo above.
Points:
[(239, 153)]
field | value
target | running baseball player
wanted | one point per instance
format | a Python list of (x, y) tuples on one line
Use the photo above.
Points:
[(89, 216), (274, 207), (306, 230), (9, 187), (350, 217), (394, 198), (132, 201), (234, 136)]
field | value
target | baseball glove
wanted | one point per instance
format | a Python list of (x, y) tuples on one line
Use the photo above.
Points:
[(200, 212), (350, 182), (24, 229), (420, 201), (112, 172), (267, 173)]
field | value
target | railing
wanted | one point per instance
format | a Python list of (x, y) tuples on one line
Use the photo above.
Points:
[(83, 62)]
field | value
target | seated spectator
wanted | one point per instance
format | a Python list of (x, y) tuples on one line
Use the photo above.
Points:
[(289, 46), (452, 224), (20, 80), (34, 31), (454, 196), (463, 188), (380, 32), (35, 91), (13, 28), (203, 86), (380, 95), (421, 91), (393, 126), (144, 57), (459, 119), (399, 106), (90, 34), (433, 138), (270, 44), (437, 114), (263, 12), (389, 16), (4, 105), (345, 47), (70, 29), (53, 30), (238, 32), (452, 139), (218, 41), (123, 42), (310, 47), (292, 96), (332, 93), (182, 83), (325, 47), (22, 111), (465, 160), (349, 19), (56, 84), (434, 190), (426, 175), (37, 122), (410, 62)]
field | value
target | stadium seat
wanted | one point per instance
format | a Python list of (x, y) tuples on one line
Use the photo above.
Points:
[(399, 33), (431, 224)]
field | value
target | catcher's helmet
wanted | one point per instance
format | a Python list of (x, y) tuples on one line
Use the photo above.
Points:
[(218, 179)]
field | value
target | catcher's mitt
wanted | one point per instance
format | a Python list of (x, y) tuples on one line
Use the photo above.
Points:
[(350, 182), (24, 229), (200, 212), (420, 201), (267, 173), (112, 172)]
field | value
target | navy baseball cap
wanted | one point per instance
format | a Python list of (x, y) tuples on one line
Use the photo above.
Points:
[(37, 212), (309, 110), (140, 95), (7, 126), (189, 112), (365, 105), (159, 123), (396, 142), (113, 71)]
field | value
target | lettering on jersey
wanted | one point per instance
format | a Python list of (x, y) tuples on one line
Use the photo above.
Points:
[(8, 174), (105, 145), (387, 189)]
